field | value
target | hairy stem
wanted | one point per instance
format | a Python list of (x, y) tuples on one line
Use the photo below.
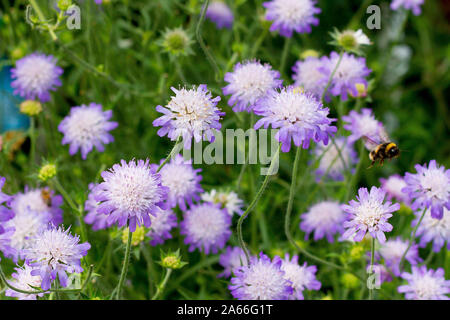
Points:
[(126, 262), (162, 285)]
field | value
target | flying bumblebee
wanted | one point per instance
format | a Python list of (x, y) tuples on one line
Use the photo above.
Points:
[(46, 196), (382, 149)]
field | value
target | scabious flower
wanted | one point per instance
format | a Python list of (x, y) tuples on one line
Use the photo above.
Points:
[(130, 193), (413, 5), (22, 279), (206, 227), (5, 242), (182, 180), (219, 13), (333, 164), (162, 223), (248, 83), (302, 277), (429, 188), (362, 124), (369, 214), (392, 251), (97, 219), (298, 115), (292, 15), (228, 200), (324, 219), (393, 186), (433, 230), (35, 76), (232, 258), (55, 252), (425, 284), (308, 76), (351, 71), (263, 279), (5, 211), (41, 201), (86, 127), (191, 113)]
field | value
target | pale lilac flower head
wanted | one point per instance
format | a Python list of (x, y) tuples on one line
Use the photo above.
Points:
[(97, 219), (55, 252), (86, 127), (22, 279), (413, 5), (425, 284), (5, 201), (162, 223), (362, 124), (232, 258), (228, 200), (219, 13), (433, 230), (393, 187), (392, 251), (368, 214), (351, 71), (130, 193), (248, 83), (332, 164), (302, 277), (182, 180), (297, 115), (41, 201), (308, 76), (191, 113), (324, 219), (206, 227), (263, 279), (429, 187), (292, 15), (5, 242), (35, 76)]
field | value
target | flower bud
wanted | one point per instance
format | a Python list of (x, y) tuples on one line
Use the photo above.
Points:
[(136, 237), (31, 107), (47, 172), (172, 260)]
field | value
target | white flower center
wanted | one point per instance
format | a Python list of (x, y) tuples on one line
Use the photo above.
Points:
[(294, 12), (180, 179), (36, 74), (426, 287), (85, 126), (263, 282), (436, 184), (369, 213), (206, 223)]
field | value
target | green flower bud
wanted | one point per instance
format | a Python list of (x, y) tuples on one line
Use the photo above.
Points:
[(63, 5), (176, 42), (47, 172), (172, 260), (136, 237), (30, 107), (349, 281)]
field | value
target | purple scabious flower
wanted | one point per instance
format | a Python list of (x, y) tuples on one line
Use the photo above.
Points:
[(369, 214), (129, 193), (219, 13), (308, 76), (162, 223), (55, 252), (263, 279), (97, 219), (331, 163), (392, 251), (232, 258), (413, 5), (362, 124), (22, 279), (206, 227), (5, 242), (86, 127), (433, 230), (191, 113), (248, 83), (5, 201), (393, 187), (292, 15), (35, 76), (41, 201), (182, 180), (228, 200), (352, 70), (302, 277), (429, 188), (324, 219), (425, 284), (298, 115)]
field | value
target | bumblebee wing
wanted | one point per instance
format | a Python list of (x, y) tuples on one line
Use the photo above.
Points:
[(369, 143), (383, 135)]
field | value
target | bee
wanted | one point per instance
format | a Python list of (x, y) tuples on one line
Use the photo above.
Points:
[(382, 149), (46, 196)]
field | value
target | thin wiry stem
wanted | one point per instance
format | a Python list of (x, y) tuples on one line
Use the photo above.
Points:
[(172, 152), (126, 262), (372, 258), (162, 285), (332, 75), (411, 239)]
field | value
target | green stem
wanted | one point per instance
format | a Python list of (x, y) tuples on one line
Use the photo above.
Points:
[(355, 175), (162, 285), (411, 239), (42, 18), (372, 259), (172, 152), (332, 75), (284, 54), (252, 205), (33, 141), (126, 262)]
